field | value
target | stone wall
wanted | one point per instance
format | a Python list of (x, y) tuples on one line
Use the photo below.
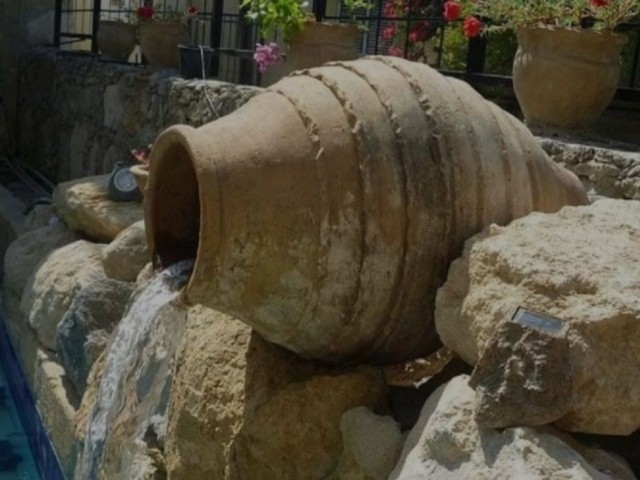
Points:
[(78, 116)]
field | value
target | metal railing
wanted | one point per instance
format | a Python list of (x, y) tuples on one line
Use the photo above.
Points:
[(481, 61)]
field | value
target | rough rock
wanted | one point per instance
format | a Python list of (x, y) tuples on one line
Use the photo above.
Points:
[(371, 445), (57, 403), (244, 408), (84, 330), (296, 433), (24, 255), (84, 205), (125, 257), (580, 266), (41, 216), (603, 171), (207, 399), (54, 284), (446, 443), (525, 372), (11, 219)]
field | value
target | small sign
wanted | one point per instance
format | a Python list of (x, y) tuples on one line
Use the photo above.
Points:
[(537, 320)]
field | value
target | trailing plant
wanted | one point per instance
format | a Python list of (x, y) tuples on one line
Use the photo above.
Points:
[(480, 16)]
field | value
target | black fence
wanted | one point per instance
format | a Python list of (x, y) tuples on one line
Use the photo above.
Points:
[(418, 32)]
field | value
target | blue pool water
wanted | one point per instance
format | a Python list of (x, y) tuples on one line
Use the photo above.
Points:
[(16, 459)]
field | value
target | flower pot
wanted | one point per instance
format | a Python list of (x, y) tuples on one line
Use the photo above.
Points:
[(141, 175), (565, 78), (159, 42), (116, 40), (315, 44), (192, 59), (331, 225)]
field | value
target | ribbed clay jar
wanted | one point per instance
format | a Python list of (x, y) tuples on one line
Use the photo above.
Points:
[(325, 212)]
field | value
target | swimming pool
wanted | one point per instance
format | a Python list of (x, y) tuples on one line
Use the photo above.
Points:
[(25, 450), (16, 459)]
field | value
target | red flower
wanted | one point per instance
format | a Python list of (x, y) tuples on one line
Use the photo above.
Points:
[(451, 10), (145, 12), (472, 27), (192, 10), (389, 32), (395, 51), (599, 3)]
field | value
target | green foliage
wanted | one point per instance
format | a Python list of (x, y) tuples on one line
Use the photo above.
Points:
[(272, 15), (514, 14)]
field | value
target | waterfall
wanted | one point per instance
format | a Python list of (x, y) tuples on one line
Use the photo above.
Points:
[(129, 415)]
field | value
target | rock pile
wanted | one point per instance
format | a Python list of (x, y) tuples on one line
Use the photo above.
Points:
[(241, 408)]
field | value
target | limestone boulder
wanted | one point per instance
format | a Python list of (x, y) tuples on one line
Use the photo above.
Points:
[(84, 206), (579, 265), (447, 443), (371, 445), (55, 282), (296, 433), (29, 250), (244, 408), (84, 330), (41, 215), (125, 257)]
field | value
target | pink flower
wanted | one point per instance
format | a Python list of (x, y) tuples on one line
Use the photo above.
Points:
[(389, 32), (395, 51), (472, 27), (451, 10), (267, 55)]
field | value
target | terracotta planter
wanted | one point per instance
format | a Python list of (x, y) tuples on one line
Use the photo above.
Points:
[(141, 174), (116, 40), (159, 42), (565, 78), (330, 227)]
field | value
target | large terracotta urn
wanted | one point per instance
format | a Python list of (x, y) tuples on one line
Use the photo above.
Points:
[(565, 78), (159, 42), (317, 43), (116, 40), (326, 210)]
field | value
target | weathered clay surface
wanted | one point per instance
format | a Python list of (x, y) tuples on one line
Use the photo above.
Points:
[(55, 282), (24, 255), (84, 330), (84, 206), (579, 265), (371, 445), (342, 213), (446, 443), (127, 254)]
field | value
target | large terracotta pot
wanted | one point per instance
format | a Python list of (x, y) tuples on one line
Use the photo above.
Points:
[(565, 78), (314, 45), (159, 42), (116, 40), (329, 224)]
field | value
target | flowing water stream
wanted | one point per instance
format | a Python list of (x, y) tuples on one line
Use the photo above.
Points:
[(128, 419)]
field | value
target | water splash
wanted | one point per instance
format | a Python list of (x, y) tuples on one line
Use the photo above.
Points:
[(130, 410)]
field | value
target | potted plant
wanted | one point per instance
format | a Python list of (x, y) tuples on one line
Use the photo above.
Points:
[(161, 31), (117, 37), (309, 43), (411, 38), (567, 66), (195, 60)]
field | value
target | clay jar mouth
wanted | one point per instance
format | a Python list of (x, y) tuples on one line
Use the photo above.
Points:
[(172, 203)]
